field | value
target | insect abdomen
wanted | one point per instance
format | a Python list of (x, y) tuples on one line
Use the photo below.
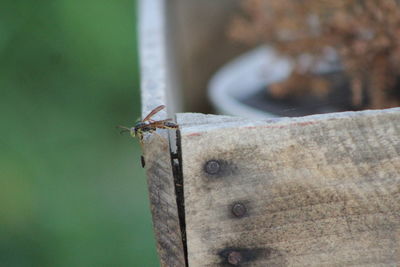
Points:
[(170, 124)]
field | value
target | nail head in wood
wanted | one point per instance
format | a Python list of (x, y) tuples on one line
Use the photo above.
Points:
[(234, 257), (239, 210), (212, 167)]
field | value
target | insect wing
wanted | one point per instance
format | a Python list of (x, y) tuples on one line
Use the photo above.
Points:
[(153, 112)]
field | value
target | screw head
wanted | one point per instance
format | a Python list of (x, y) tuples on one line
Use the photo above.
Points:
[(234, 257), (239, 210), (212, 167)]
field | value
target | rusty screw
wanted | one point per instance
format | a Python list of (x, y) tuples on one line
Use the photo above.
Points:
[(239, 210), (212, 167), (234, 257)]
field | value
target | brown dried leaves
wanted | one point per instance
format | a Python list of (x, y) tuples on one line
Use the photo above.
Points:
[(365, 34)]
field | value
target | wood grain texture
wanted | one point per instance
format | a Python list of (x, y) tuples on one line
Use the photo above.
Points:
[(152, 53), (317, 191), (163, 201), (156, 146)]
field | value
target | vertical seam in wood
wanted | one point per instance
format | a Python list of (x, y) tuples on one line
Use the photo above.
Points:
[(179, 190)]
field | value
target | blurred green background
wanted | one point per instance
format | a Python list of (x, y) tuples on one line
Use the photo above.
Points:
[(72, 191)]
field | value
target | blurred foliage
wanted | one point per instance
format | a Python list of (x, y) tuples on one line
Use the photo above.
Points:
[(72, 191)]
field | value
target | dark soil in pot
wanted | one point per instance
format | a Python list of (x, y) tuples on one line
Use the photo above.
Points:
[(337, 100)]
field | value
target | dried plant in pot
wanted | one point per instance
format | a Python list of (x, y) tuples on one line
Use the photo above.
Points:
[(342, 55)]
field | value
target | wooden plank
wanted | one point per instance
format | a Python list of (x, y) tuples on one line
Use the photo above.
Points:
[(314, 191), (152, 53), (156, 147), (163, 202)]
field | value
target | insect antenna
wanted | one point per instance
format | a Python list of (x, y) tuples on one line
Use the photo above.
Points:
[(124, 129)]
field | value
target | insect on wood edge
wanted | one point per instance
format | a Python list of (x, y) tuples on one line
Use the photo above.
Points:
[(147, 125)]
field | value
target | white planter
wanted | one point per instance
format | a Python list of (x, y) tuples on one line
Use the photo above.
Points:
[(247, 74)]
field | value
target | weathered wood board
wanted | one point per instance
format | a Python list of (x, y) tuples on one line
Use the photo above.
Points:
[(313, 191), (156, 147), (163, 202)]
